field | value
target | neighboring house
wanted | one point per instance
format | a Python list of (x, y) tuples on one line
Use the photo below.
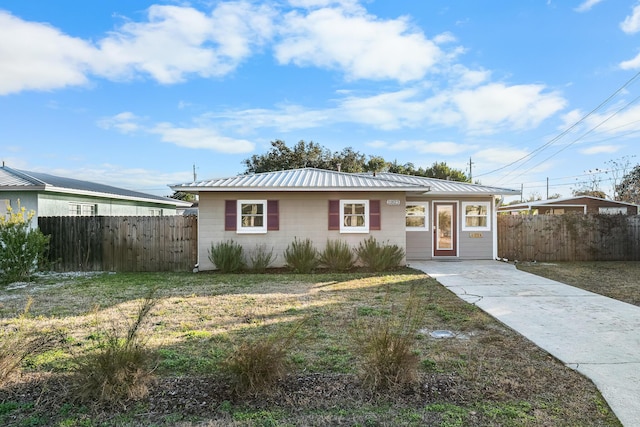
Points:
[(50, 195), (429, 218), (579, 204)]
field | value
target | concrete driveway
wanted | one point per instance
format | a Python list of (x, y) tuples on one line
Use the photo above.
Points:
[(595, 335)]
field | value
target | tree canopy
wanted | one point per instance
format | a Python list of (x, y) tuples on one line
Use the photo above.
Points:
[(629, 188), (310, 154)]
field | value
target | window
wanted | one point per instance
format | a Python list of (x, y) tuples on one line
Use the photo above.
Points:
[(416, 216), (155, 212), (82, 209), (252, 216), (612, 210), (476, 216), (354, 216)]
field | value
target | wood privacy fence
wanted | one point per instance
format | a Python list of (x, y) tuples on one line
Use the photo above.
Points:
[(569, 237), (131, 243)]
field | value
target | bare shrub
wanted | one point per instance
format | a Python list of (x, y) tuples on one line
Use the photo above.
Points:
[(261, 258), (301, 256), (228, 256), (121, 369), (379, 257), (385, 347)]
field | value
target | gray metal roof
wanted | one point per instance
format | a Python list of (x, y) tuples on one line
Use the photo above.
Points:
[(18, 180), (311, 179)]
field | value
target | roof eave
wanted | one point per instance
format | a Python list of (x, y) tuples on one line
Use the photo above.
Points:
[(52, 189)]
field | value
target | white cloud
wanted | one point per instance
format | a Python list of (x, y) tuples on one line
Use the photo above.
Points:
[(587, 5), (631, 64), (36, 56), (498, 105), (203, 138), (360, 45), (125, 122), (177, 41), (601, 149), (631, 23), (444, 148)]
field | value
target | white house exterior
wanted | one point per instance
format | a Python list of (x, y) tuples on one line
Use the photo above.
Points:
[(429, 218), (50, 195)]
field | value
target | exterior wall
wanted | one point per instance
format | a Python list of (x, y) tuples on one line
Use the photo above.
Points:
[(301, 214), (472, 245), (593, 205), (28, 200), (58, 205)]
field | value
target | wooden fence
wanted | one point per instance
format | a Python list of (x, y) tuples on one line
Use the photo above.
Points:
[(103, 243), (569, 237)]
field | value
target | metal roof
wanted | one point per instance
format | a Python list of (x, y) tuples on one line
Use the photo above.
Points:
[(18, 180), (311, 179)]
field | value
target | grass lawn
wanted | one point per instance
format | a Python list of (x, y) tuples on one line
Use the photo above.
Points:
[(614, 279), (487, 375)]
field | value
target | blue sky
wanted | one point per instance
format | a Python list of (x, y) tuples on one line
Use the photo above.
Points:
[(134, 94)]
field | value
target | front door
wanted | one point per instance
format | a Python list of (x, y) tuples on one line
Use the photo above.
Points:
[(445, 236)]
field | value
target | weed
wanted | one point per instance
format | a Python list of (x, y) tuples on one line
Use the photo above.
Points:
[(379, 257), (256, 366), (260, 258), (301, 256), (337, 256), (228, 257), (119, 370), (386, 348), (19, 344)]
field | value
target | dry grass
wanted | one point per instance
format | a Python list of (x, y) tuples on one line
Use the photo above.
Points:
[(614, 279), (487, 376)]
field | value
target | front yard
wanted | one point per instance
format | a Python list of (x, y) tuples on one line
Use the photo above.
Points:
[(486, 375)]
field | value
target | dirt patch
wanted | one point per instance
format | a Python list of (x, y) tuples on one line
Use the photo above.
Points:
[(614, 279)]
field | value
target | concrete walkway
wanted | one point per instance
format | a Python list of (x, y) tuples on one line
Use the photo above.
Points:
[(595, 335)]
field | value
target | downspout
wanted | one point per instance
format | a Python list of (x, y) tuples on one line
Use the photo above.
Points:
[(495, 230)]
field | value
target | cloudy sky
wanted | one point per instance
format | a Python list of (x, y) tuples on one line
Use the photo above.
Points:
[(135, 94)]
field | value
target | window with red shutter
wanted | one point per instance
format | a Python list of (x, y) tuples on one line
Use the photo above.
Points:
[(375, 222), (230, 212), (273, 215), (334, 215)]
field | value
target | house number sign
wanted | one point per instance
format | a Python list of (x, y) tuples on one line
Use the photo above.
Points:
[(393, 202), (475, 235)]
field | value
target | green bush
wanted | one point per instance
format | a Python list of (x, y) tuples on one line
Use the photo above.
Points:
[(379, 257), (260, 258), (22, 248), (122, 367), (301, 256), (337, 255), (228, 257)]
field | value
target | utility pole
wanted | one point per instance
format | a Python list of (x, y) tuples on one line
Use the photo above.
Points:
[(194, 173), (547, 188), (470, 170)]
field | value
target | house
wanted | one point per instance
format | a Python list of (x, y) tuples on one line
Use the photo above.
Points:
[(579, 204), (50, 195), (429, 218)]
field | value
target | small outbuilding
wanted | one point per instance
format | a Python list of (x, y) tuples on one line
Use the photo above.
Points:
[(580, 205)]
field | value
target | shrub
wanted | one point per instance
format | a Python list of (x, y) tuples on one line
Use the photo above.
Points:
[(22, 248), (337, 255), (260, 259), (379, 257), (301, 256), (386, 348), (256, 366), (228, 257), (19, 343), (121, 369)]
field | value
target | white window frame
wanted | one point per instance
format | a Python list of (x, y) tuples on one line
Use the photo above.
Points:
[(350, 228), (86, 209), (612, 210), (425, 205), (240, 229), (464, 216)]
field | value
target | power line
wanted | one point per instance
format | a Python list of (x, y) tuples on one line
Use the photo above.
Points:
[(566, 131)]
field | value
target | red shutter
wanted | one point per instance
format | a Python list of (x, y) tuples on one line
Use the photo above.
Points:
[(273, 215), (374, 215), (334, 214), (230, 208)]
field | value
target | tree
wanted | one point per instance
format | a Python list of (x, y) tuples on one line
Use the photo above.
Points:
[(309, 154), (185, 197), (593, 193), (629, 188)]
